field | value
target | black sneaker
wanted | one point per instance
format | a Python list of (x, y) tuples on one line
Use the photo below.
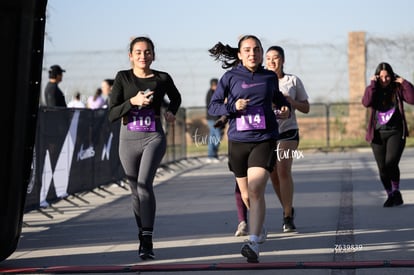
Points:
[(288, 224), (397, 198), (145, 248), (390, 201)]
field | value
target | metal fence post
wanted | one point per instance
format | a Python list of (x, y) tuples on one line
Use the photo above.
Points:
[(328, 106)]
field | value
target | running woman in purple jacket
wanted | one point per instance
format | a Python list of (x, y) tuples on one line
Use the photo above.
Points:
[(251, 91)]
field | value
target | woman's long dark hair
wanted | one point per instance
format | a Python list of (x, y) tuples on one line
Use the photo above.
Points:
[(228, 55), (383, 66), (98, 93)]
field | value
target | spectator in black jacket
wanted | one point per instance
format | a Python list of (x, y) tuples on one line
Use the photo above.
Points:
[(53, 94)]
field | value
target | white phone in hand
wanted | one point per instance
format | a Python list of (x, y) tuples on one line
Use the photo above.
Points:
[(146, 92)]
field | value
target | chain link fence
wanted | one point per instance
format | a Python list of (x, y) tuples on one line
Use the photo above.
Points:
[(327, 126)]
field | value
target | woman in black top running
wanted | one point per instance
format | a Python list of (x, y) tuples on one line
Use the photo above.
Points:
[(136, 98)]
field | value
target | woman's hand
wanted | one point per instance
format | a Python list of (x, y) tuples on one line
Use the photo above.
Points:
[(169, 117), (284, 112), (399, 79), (241, 104), (142, 98)]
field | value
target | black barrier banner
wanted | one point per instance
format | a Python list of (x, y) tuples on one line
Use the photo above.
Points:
[(76, 150)]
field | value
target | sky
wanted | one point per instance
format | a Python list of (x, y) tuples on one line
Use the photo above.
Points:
[(182, 26)]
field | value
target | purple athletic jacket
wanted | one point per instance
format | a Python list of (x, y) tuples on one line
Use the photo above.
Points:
[(262, 88)]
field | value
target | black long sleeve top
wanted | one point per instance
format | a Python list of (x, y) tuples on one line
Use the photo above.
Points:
[(127, 85)]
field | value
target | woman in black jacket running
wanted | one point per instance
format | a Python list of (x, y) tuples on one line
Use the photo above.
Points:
[(136, 98)]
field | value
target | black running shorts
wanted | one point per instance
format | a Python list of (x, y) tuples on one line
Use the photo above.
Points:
[(243, 155)]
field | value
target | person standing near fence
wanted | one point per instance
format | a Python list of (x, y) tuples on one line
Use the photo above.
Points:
[(106, 87), (250, 91), (54, 96), (136, 99), (387, 126), (96, 100), (294, 91), (215, 133), (76, 102)]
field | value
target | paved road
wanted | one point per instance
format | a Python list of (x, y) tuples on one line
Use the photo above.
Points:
[(342, 226)]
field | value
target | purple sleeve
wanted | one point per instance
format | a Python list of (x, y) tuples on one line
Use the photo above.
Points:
[(369, 91), (407, 92), (217, 107)]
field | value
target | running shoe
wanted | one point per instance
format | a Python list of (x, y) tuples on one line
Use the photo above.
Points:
[(263, 235), (397, 198), (288, 224), (145, 248), (390, 201), (212, 160), (250, 250), (241, 229), (44, 204)]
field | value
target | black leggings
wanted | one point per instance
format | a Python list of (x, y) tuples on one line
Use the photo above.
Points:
[(388, 146)]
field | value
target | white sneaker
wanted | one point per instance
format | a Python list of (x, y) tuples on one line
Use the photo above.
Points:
[(263, 235), (44, 204), (212, 160), (64, 195), (250, 250), (241, 229)]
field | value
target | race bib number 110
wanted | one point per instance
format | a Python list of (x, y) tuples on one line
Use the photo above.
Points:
[(141, 120)]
